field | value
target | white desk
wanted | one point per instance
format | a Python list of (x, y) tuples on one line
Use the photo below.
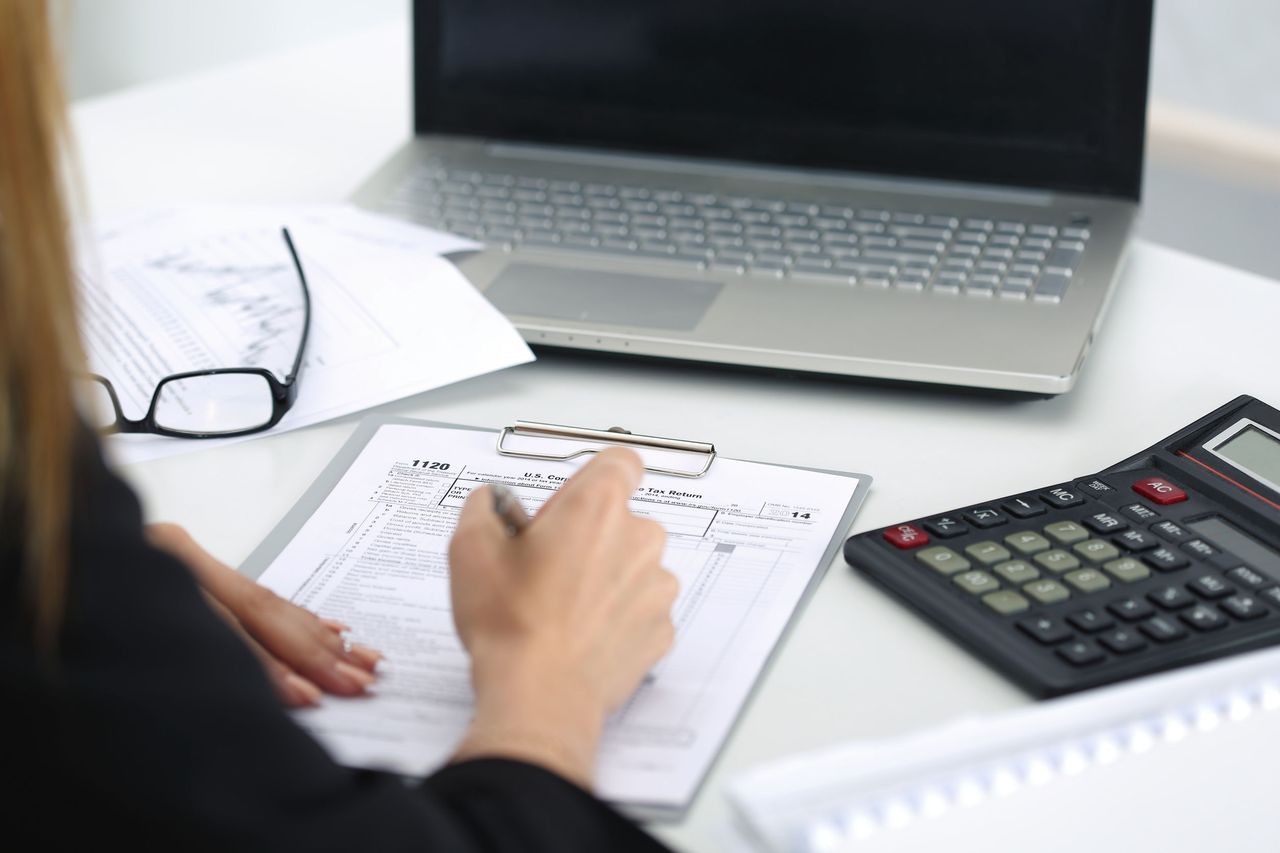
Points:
[(1183, 336)]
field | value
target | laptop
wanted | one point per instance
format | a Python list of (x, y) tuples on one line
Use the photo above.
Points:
[(910, 190)]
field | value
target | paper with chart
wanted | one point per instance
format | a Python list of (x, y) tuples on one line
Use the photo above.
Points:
[(202, 287), (746, 542)]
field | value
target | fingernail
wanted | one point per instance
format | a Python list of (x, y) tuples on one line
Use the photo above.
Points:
[(359, 676), (335, 625), (366, 656), (308, 692)]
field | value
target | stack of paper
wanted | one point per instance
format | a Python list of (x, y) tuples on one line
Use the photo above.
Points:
[(195, 288), (1177, 761)]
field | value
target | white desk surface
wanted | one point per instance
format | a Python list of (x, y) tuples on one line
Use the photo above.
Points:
[(1182, 337)]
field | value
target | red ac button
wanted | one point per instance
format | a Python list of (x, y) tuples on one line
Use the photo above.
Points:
[(1160, 491), (906, 536)]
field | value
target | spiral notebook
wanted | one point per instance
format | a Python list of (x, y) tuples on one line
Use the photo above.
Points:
[(1183, 761)]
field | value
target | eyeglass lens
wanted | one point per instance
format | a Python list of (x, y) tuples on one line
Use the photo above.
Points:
[(217, 403)]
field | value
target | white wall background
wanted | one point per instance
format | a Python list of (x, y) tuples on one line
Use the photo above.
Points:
[(1217, 57), (117, 43)]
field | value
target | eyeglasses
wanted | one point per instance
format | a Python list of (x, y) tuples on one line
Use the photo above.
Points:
[(216, 403)]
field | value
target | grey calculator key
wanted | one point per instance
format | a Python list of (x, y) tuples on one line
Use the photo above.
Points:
[(1088, 580), (911, 282), (988, 553), (943, 559), (951, 277), (1096, 550), (1057, 560), (979, 224), (1051, 287), (1037, 243), (734, 267), (1047, 591), (976, 582), (1017, 571), (1027, 542), (1075, 233), (1066, 532), (1030, 256), (1006, 240), (1127, 570), (1006, 602), (1043, 231)]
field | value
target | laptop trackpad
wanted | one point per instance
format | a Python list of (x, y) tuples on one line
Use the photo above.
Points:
[(616, 299)]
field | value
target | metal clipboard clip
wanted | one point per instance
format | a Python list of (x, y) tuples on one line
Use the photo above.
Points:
[(614, 436)]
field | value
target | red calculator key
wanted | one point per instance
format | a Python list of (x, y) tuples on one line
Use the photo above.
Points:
[(906, 536), (1158, 490)]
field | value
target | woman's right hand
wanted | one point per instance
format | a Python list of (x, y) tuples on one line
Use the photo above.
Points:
[(563, 620)]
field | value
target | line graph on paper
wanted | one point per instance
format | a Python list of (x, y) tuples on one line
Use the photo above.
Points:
[(231, 298)]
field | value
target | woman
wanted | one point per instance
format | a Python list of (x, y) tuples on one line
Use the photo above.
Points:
[(139, 672)]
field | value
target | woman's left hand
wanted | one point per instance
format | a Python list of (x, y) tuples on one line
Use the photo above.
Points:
[(302, 653)]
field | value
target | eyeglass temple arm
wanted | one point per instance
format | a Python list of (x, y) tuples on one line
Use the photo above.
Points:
[(306, 306)]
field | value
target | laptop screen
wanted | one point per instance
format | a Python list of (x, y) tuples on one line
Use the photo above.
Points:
[(1039, 93)]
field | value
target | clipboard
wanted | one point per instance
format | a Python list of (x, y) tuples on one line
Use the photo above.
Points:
[(552, 443)]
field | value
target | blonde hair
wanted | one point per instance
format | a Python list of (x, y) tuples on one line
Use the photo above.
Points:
[(39, 345)]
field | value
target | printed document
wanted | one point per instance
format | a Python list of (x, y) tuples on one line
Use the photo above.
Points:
[(746, 541), (194, 288)]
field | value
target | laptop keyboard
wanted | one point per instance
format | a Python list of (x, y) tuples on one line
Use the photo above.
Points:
[(750, 235)]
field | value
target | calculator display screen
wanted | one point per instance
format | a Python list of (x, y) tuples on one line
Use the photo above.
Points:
[(1248, 549), (1253, 451)]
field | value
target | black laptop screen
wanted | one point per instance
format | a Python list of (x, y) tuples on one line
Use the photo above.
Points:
[(1044, 93)]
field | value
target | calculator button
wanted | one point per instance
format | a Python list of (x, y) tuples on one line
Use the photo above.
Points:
[(1169, 530), (1057, 560), (1162, 629), (1088, 580), (1131, 609), (1140, 513), (1027, 542), (1090, 620), (945, 527), (1005, 602), (906, 536), (1017, 571), (1024, 507), (986, 517), (1095, 487), (1066, 532), (1165, 560), (1203, 618), (1244, 607), (1211, 587), (988, 553), (1136, 540), (1046, 629), (1271, 594), (1105, 522), (1062, 497), (1246, 576), (1097, 550), (1126, 570), (1047, 591), (1122, 641), (1160, 491), (943, 559), (1172, 598), (976, 582), (1081, 653), (1200, 548)]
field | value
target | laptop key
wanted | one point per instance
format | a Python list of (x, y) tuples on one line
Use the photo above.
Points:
[(1051, 287)]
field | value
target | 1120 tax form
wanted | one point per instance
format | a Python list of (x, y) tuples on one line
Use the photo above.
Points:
[(368, 546)]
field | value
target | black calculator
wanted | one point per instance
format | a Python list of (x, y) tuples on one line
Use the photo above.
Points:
[(1168, 558)]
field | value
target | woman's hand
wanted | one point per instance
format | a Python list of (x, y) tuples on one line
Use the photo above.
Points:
[(302, 653), (563, 620)]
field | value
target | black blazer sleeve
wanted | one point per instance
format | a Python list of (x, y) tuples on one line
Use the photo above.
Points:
[(160, 727)]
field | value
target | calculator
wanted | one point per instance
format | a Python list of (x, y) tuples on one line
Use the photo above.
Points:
[(1170, 557)]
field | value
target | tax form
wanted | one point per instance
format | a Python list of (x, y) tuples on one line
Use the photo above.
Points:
[(367, 546)]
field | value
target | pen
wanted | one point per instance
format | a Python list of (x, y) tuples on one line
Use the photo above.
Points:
[(508, 508)]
